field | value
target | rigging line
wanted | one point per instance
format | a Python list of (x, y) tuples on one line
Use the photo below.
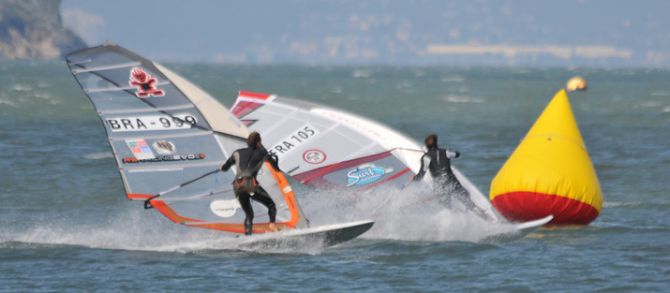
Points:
[(147, 203), (199, 196), (149, 103), (407, 149)]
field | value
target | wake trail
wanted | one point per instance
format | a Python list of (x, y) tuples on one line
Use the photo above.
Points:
[(399, 215), (137, 230)]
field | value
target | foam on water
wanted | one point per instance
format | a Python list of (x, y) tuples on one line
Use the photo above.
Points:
[(616, 204), (98, 156), (7, 102), (454, 79), (462, 99), (21, 87)]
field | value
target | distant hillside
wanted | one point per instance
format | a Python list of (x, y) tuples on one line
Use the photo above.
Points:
[(429, 32), (33, 29)]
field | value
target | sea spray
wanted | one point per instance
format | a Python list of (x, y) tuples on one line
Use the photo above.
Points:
[(135, 229), (412, 214)]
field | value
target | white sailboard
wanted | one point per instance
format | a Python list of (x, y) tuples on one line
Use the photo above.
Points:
[(519, 230), (327, 235), (169, 139), (327, 147)]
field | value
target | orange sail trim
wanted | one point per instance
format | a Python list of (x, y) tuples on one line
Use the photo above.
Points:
[(168, 212), (289, 196), (283, 185), (138, 196), (528, 206)]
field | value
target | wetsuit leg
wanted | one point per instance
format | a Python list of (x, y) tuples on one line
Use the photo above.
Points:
[(245, 203), (442, 186), (456, 190), (461, 194), (464, 197), (263, 197)]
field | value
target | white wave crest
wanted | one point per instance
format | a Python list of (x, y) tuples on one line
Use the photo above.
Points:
[(8, 103), (21, 87), (98, 156), (462, 99), (455, 79)]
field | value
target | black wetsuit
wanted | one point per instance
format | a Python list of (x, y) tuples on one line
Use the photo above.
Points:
[(248, 162), (438, 162)]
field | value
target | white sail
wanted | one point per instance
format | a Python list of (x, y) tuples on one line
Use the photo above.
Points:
[(170, 138), (327, 147)]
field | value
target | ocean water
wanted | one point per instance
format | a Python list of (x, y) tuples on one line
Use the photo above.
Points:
[(66, 226)]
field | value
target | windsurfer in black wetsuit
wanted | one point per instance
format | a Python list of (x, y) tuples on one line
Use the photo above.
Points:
[(248, 161), (438, 162)]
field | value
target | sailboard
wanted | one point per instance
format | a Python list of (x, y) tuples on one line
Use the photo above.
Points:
[(519, 230), (327, 147), (169, 139), (327, 235)]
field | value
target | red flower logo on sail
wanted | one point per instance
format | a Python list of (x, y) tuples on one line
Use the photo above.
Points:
[(145, 84)]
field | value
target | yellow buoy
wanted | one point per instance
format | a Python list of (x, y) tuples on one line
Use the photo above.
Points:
[(550, 172), (576, 83)]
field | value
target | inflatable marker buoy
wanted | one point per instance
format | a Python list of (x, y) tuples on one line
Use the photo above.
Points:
[(576, 83), (550, 172)]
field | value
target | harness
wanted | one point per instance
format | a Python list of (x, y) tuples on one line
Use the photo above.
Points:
[(246, 184)]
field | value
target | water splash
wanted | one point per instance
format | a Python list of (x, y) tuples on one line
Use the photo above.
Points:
[(412, 214), (406, 215)]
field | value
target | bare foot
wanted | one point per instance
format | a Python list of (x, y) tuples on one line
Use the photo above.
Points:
[(273, 227)]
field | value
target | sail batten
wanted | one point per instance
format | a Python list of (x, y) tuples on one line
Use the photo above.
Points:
[(157, 136), (105, 67), (112, 89), (148, 110), (165, 168)]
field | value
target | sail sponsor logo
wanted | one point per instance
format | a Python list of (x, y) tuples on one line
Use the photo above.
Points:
[(294, 140), (168, 158), (151, 122), (145, 85), (314, 156), (140, 149), (164, 147), (224, 208), (366, 174)]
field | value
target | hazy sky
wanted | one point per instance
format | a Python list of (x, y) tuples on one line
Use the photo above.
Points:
[(535, 32)]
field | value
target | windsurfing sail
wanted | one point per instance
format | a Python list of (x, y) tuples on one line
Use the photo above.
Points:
[(326, 147), (169, 139)]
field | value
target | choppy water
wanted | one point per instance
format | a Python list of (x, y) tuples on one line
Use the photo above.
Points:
[(65, 225)]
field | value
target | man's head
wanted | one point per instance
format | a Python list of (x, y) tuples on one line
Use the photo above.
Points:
[(431, 141), (254, 140)]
